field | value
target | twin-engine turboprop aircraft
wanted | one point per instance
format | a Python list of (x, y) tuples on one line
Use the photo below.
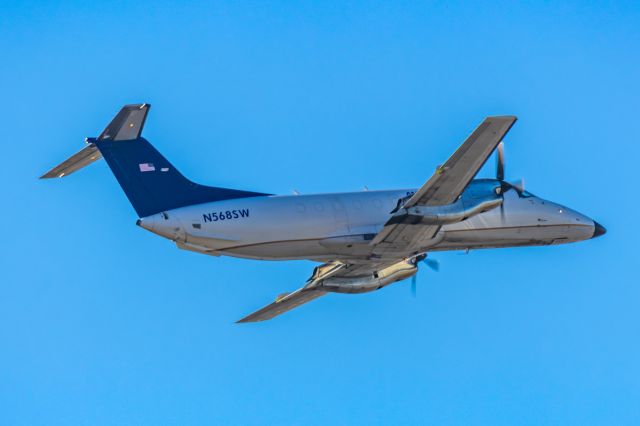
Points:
[(365, 240)]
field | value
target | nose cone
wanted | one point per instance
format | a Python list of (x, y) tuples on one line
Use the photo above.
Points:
[(598, 230)]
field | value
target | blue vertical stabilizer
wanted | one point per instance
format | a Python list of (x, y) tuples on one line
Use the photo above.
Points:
[(149, 180)]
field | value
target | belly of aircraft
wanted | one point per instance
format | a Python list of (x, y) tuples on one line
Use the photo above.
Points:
[(457, 239)]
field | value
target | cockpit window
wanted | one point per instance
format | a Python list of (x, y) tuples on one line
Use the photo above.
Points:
[(505, 186), (524, 194)]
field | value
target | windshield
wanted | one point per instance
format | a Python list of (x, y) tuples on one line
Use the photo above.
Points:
[(524, 194), (505, 186)]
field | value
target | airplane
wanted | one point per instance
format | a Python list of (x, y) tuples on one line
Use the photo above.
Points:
[(364, 240)]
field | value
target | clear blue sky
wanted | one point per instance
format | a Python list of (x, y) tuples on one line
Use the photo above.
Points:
[(102, 323)]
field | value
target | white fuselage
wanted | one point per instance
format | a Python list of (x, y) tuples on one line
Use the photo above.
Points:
[(322, 227)]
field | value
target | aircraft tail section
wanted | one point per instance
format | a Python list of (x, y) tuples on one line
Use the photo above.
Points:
[(149, 180), (126, 125), (80, 159)]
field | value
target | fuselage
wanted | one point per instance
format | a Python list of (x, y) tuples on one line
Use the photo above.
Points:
[(323, 227)]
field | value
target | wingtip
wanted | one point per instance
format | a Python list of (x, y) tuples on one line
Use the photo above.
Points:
[(140, 105), (50, 175), (503, 117), (244, 321)]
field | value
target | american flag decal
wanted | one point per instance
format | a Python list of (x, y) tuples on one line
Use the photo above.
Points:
[(147, 167)]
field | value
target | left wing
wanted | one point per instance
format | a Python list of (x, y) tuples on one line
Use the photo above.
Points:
[(450, 179), (444, 187)]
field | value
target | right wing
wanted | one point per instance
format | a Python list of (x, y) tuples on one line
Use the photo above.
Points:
[(308, 293), (283, 304)]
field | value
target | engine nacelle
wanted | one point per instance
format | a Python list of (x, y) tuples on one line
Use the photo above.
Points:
[(463, 208), (391, 274)]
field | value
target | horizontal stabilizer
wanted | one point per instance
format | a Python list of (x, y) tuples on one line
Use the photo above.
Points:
[(283, 304), (82, 158), (126, 125)]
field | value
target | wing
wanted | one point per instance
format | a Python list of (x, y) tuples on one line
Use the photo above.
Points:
[(396, 240), (283, 304), (287, 302), (444, 187), (450, 179)]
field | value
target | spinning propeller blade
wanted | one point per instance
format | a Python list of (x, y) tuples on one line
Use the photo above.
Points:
[(431, 263), (500, 175), (500, 161), (414, 284), (519, 185)]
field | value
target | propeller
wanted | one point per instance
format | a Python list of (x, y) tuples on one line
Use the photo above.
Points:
[(519, 185), (500, 169), (500, 161), (500, 175), (431, 263), (504, 187)]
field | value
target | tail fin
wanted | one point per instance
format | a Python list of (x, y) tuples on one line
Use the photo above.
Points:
[(150, 182), (126, 125)]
